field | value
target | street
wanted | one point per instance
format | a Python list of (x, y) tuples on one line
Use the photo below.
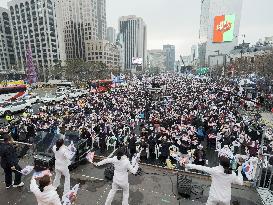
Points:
[(153, 187)]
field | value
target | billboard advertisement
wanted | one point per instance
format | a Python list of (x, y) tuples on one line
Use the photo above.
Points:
[(223, 28), (137, 61)]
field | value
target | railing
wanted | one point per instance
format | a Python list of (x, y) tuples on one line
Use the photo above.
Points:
[(263, 180)]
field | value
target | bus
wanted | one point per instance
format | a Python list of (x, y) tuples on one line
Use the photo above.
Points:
[(100, 86), (12, 92)]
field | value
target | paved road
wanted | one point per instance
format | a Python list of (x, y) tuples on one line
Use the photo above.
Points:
[(155, 187)]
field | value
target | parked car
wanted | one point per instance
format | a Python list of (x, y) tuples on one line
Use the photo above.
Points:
[(84, 92), (32, 98), (12, 107), (63, 91), (75, 93), (47, 99)]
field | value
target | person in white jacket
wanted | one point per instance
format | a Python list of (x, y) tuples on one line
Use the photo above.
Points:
[(45, 193), (122, 166), (222, 178), (62, 161)]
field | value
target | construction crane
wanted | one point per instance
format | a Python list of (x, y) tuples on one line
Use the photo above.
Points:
[(181, 58)]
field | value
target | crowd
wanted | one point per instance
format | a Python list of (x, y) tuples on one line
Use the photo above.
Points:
[(169, 120), (165, 116)]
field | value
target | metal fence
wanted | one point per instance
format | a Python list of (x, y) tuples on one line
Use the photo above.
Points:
[(264, 175)]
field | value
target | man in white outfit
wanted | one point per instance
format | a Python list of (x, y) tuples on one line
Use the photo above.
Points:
[(62, 161), (222, 178), (122, 166)]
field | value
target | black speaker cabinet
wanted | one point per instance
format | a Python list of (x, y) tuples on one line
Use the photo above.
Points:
[(43, 162), (184, 185), (109, 172)]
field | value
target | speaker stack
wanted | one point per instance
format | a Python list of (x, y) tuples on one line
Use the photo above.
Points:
[(184, 185), (109, 172)]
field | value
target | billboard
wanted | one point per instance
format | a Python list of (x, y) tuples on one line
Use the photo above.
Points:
[(137, 61), (223, 28)]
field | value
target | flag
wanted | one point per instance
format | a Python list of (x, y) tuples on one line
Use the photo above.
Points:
[(226, 152), (122, 76), (27, 170), (71, 151), (248, 169), (113, 77), (41, 174), (90, 156), (136, 158), (69, 197)]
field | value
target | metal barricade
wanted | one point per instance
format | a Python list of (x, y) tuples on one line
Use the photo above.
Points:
[(263, 180), (265, 172)]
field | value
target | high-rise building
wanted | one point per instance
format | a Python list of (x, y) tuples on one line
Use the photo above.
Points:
[(169, 51), (7, 58), (34, 25), (101, 16), (219, 30), (103, 51), (156, 60), (134, 33), (121, 47), (194, 52), (111, 35), (194, 55), (77, 22), (187, 60)]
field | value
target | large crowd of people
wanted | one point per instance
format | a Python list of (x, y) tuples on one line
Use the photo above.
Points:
[(170, 120), (166, 116)]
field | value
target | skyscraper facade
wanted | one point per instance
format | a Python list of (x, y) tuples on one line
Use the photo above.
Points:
[(134, 33), (77, 22), (101, 17), (7, 58), (121, 47), (169, 51), (33, 25), (156, 60), (111, 35), (219, 29)]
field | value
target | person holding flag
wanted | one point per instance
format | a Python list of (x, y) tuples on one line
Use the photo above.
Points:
[(222, 178), (122, 166)]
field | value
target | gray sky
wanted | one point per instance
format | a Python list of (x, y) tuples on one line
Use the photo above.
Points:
[(177, 21)]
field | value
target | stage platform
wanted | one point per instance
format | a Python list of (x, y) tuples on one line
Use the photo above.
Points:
[(156, 186)]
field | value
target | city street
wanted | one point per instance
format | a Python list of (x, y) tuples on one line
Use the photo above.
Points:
[(147, 102)]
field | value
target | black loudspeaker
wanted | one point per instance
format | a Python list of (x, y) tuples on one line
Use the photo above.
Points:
[(109, 172), (43, 162), (184, 185)]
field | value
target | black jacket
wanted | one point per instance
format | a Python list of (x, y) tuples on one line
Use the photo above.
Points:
[(8, 156)]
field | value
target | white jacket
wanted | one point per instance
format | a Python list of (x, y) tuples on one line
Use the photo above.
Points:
[(61, 157), (122, 167), (221, 183), (48, 197)]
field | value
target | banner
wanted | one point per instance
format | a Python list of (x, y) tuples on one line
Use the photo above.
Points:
[(223, 28)]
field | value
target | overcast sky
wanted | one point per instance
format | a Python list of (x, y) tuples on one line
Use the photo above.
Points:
[(177, 21)]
